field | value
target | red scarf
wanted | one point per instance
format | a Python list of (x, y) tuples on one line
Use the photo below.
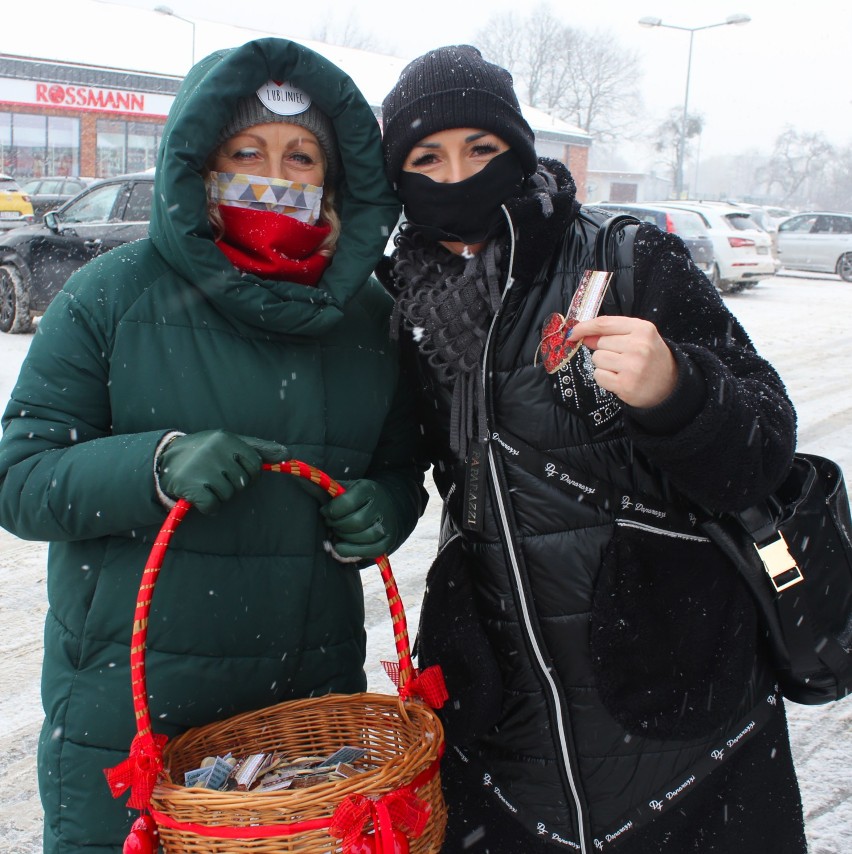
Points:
[(273, 245)]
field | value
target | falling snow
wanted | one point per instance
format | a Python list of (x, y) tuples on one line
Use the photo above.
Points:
[(815, 375)]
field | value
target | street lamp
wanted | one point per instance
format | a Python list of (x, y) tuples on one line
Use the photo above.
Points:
[(657, 22), (167, 10)]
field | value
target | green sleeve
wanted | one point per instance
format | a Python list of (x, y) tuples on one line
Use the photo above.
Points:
[(63, 475), (396, 464)]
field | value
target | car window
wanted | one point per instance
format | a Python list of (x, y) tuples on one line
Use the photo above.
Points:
[(8, 185), (139, 205), (96, 206), (688, 224), (72, 186), (699, 214), (31, 186), (742, 222), (836, 224), (640, 213), (54, 186), (798, 225)]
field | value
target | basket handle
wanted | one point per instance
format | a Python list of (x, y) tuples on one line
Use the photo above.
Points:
[(155, 562)]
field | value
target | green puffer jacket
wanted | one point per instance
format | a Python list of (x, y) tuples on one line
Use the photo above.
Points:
[(164, 334)]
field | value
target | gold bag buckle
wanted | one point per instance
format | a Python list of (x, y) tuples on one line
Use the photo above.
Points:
[(780, 565)]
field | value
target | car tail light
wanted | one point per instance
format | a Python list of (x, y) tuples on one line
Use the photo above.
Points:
[(25, 197), (670, 226), (740, 242)]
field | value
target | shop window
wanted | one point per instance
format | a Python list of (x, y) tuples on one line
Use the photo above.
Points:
[(6, 165), (126, 146), (32, 146), (63, 146)]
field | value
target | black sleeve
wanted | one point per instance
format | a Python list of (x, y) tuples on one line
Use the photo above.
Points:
[(732, 445)]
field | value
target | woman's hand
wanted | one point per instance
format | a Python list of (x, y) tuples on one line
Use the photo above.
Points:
[(631, 359), (209, 467), (364, 519)]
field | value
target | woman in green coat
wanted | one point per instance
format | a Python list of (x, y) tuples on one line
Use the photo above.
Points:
[(245, 329)]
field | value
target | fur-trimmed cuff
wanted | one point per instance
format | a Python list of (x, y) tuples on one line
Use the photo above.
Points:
[(166, 500), (357, 562)]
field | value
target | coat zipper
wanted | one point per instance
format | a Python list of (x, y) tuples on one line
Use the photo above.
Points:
[(516, 571)]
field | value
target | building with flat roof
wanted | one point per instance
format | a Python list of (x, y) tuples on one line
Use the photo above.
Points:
[(71, 118), (63, 118)]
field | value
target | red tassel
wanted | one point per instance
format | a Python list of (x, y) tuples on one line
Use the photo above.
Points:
[(144, 837)]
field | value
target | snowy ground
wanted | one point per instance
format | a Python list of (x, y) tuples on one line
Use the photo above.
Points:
[(802, 323)]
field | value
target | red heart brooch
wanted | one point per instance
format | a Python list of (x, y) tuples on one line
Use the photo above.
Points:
[(555, 348)]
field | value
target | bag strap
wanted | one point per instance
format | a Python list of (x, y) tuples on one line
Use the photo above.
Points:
[(614, 252)]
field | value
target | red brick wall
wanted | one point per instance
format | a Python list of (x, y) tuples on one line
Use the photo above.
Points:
[(576, 158)]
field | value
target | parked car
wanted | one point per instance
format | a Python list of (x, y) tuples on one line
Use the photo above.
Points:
[(687, 225), (820, 241), (36, 260), (743, 249), (49, 193), (15, 206)]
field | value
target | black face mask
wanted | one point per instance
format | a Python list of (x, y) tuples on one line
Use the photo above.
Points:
[(467, 211)]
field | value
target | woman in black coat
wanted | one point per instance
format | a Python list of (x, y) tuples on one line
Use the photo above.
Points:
[(609, 686)]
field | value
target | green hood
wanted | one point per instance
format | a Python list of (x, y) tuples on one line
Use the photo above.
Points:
[(179, 227)]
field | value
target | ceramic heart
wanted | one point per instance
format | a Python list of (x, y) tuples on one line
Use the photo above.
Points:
[(555, 349)]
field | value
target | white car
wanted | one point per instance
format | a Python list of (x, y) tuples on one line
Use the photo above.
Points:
[(820, 241), (742, 248)]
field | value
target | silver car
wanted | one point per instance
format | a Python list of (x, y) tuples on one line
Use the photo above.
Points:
[(820, 241)]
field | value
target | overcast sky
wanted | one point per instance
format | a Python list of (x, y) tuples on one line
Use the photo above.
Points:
[(789, 66)]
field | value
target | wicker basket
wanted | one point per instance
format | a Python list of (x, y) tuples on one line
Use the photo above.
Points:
[(393, 807)]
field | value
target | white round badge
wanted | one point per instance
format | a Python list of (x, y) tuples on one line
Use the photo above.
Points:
[(283, 99)]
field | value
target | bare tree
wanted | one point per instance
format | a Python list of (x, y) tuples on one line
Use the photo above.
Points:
[(799, 160), (587, 79), (602, 92), (836, 192), (345, 32), (669, 138)]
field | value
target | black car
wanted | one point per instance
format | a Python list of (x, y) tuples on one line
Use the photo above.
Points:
[(685, 224), (48, 193), (36, 260)]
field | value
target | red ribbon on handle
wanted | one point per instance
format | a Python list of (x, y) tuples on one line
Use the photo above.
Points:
[(427, 684), (139, 772)]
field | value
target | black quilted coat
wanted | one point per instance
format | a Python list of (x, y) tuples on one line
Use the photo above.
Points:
[(609, 687)]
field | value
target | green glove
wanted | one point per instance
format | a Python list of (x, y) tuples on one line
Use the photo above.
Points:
[(207, 468), (364, 519)]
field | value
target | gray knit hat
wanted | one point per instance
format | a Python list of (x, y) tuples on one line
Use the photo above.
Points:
[(453, 87), (288, 103)]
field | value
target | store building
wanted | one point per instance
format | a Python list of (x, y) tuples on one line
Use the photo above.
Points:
[(69, 118), (60, 118)]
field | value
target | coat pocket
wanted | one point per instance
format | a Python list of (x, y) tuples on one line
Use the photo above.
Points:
[(450, 634), (672, 633)]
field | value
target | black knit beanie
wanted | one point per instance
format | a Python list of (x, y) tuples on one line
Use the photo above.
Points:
[(453, 87)]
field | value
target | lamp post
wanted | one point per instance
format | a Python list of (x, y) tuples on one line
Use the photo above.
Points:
[(167, 10), (657, 22)]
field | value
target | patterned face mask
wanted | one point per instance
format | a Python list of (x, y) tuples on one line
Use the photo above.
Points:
[(254, 192)]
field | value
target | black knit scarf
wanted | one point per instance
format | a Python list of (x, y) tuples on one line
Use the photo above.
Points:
[(447, 302)]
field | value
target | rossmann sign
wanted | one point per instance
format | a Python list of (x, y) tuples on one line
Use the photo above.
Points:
[(83, 98)]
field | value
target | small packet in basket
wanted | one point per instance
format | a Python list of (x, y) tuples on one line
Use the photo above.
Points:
[(211, 775)]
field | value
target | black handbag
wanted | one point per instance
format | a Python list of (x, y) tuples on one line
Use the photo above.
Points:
[(795, 553)]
